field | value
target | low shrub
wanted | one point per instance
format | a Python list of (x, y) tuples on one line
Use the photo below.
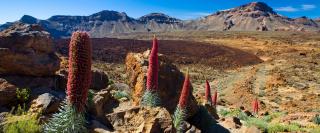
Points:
[(23, 94), (20, 121), (259, 123), (316, 119), (21, 124), (278, 127), (121, 94)]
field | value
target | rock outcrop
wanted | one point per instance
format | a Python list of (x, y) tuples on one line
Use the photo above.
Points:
[(45, 103), (99, 79), (7, 92), (27, 50), (141, 120), (170, 81)]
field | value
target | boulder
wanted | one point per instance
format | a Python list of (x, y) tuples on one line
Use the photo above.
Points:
[(45, 103), (7, 92), (141, 120), (99, 79), (170, 81), (231, 123), (97, 127), (251, 129), (119, 87), (27, 50), (103, 103)]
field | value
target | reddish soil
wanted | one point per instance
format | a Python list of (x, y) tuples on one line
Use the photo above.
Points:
[(181, 52)]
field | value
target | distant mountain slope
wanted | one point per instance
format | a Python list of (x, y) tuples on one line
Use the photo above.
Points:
[(103, 23), (317, 21), (255, 16), (251, 17)]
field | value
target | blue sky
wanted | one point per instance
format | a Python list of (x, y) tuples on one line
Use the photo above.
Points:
[(12, 10)]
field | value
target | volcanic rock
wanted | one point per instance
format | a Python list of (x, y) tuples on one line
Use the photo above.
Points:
[(103, 103), (170, 81), (7, 92), (27, 50), (99, 79), (45, 103), (141, 119)]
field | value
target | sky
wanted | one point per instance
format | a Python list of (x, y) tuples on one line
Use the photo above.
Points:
[(12, 10)]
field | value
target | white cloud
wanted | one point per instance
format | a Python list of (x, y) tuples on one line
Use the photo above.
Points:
[(287, 9), (303, 7), (308, 7)]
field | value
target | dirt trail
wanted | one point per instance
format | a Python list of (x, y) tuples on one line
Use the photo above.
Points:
[(241, 85)]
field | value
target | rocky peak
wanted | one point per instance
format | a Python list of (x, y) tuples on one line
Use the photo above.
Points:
[(305, 21), (65, 18), (21, 28), (28, 19), (158, 17), (107, 15), (258, 7)]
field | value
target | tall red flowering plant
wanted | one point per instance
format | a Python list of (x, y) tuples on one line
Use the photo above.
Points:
[(70, 117), (79, 76), (208, 94), (255, 106), (215, 98), (150, 97), (181, 111)]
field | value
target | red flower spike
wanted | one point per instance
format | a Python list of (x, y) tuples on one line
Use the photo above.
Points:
[(79, 76), (256, 106), (215, 98), (185, 92), (152, 75), (208, 92)]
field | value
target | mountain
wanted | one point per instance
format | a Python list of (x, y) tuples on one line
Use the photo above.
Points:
[(317, 20), (255, 16), (102, 24), (251, 17), (159, 18), (306, 22)]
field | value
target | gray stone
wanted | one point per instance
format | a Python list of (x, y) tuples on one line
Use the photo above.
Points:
[(45, 103)]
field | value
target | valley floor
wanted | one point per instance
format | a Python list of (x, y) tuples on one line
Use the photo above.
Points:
[(287, 79)]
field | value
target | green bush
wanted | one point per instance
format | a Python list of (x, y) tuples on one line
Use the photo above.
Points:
[(20, 121), (315, 130), (316, 119), (261, 124), (90, 97), (23, 94), (278, 127), (234, 112), (121, 94), (21, 124)]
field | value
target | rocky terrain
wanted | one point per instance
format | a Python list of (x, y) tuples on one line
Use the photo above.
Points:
[(255, 16), (279, 69)]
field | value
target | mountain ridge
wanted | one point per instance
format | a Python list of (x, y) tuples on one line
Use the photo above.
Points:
[(254, 16)]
